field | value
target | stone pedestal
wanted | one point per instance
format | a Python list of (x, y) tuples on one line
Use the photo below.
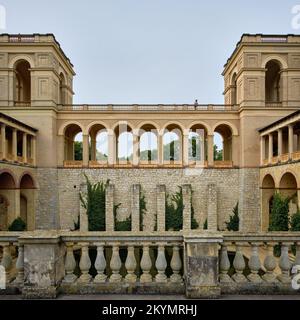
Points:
[(202, 265), (43, 264)]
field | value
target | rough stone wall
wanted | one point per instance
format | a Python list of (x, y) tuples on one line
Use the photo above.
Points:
[(249, 202), (226, 181), (47, 199)]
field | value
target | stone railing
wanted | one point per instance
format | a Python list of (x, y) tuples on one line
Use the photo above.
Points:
[(73, 163), (296, 155), (261, 263), (197, 263), (285, 157), (148, 107), (223, 164)]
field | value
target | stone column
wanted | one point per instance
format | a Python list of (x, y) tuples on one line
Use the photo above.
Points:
[(185, 149), (161, 207), (3, 140), (210, 150), (135, 152), (187, 206), (111, 148), (135, 207), (43, 264), (17, 202), (279, 131), (33, 149), (212, 212), (160, 149), (85, 153), (262, 149), (291, 140), (201, 266), (14, 144), (235, 150), (109, 208), (24, 147), (61, 150), (270, 147), (93, 148)]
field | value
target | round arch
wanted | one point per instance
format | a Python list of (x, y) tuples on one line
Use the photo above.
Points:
[(201, 123), (7, 177), (232, 127), (173, 123), (150, 123), (267, 193), (64, 126), (276, 58), (27, 181), (22, 57), (88, 128)]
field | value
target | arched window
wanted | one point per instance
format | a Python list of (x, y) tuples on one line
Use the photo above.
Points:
[(172, 144), (273, 82), (22, 94), (124, 145), (197, 144), (99, 143), (148, 144), (73, 143), (267, 193), (223, 143)]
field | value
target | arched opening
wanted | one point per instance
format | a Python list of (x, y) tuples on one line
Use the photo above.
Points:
[(288, 189), (7, 200), (27, 196), (267, 193), (62, 84), (172, 145), (197, 144), (148, 145), (223, 144), (73, 143), (124, 145), (22, 82), (233, 90), (98, 144), (273, 82)]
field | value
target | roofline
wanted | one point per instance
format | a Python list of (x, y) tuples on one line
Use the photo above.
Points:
[(5, 116), (238, 45), (39, 34), (269, 126)]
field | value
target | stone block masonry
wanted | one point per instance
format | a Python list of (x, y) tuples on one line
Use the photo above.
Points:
[(228, 184)]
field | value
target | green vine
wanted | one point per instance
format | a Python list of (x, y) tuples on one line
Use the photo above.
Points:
[(143, 210)]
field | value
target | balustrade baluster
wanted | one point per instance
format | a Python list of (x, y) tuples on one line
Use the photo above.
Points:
[(70, 264), (297, 258), (161, 264), (146, 265), (254, 263), (270, 264), (130, 265), (85, 263), (20, 266), (6, 261), (176, 265), (239, 264), (224, 264), (115, 264), (284, 263), (100, 264)]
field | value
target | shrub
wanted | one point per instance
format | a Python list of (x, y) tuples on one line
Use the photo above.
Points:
[(295, 222), (17, 225), (279, 218), (205, 224), (234, 220), (143, 210)]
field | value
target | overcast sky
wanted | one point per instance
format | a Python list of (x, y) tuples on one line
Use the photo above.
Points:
[(148, 51)]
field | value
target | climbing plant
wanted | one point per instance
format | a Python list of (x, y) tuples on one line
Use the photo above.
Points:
[(94, 204), (174, 212), (143, 209)]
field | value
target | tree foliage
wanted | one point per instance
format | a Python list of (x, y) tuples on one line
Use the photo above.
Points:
[(174, 212), (78, 150), (94, 203), (17, 225), (279, 217), (295, 222), (234, 220)]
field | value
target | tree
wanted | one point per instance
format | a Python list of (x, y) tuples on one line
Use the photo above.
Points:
[(295, 222), (279, 217), (77, 150), (234, 220), (218, 154)]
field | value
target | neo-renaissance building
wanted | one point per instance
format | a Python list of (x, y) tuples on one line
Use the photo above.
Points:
[(42, 169)]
